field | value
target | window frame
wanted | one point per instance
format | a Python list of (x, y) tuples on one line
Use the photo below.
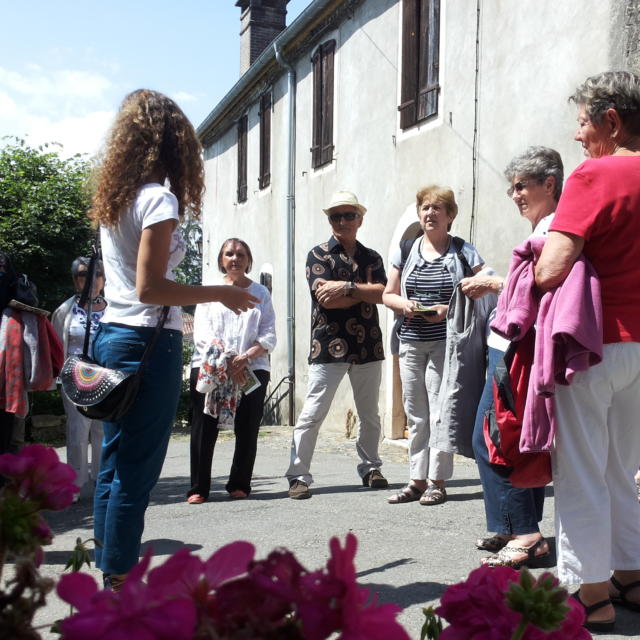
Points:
[(242, 131), (419, 83), (323, 67), (264, 171)]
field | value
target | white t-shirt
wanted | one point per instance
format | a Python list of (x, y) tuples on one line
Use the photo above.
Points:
[(154, 203)]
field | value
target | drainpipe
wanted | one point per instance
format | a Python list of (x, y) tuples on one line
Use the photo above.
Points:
[(291, 244)]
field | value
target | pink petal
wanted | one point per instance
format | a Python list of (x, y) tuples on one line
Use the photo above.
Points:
[(228, 562), (77, 589)]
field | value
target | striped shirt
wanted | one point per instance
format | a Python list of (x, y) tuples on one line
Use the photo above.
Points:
[(428, 284)]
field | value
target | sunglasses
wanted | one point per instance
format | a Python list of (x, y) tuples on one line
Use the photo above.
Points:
[(517, 187), (83, 274), (347, 215)]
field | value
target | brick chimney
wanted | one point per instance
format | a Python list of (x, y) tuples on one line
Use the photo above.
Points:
[(260, 22)]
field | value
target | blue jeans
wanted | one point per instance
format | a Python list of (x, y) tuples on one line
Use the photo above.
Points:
[(509, 510), (133, 449)]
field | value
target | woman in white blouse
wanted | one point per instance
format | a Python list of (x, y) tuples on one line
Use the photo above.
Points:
[(250, 337)]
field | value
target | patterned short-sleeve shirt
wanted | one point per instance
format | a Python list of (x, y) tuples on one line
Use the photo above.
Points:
[(349, 335)]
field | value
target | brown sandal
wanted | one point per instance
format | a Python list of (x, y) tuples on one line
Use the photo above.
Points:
[(410, 493), (492, 543), (434, 495), (506, 557)]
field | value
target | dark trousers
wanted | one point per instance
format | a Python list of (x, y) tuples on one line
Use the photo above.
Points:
[(509, 510), (204, 433)]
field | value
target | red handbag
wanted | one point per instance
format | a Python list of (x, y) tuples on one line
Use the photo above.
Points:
[(503, 422)]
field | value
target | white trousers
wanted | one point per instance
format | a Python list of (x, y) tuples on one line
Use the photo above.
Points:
[(323, 384), (421, 367), (597, 451), (82, 434)]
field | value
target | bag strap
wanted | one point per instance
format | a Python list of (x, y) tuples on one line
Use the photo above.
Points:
[(87, 298), (458, 243), (405, 250)]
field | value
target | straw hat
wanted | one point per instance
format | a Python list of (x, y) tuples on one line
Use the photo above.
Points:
[(344, 198)]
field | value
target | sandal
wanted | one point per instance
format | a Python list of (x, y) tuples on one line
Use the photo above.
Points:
[(433, 495), (410, 493), (622, 590), (596, 625), (506, 557), (195, 498), (238, 494), (492, 543)]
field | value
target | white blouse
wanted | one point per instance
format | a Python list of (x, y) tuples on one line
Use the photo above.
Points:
[(238, 332)]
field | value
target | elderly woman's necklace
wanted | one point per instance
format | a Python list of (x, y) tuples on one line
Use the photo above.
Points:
[(96, 300)]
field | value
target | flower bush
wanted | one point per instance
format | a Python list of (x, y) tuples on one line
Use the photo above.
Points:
[(231, 596), (234, 596), (36, 480)]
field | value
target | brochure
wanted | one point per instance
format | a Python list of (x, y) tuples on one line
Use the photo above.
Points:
[(429, 311), (252, 382), (21, 306)]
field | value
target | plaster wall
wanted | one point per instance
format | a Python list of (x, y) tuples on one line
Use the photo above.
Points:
[(532, 55)]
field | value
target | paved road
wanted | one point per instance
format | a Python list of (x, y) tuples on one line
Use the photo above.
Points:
[(407, 554)]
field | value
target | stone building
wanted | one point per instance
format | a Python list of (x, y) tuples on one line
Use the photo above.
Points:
[(382, 97)]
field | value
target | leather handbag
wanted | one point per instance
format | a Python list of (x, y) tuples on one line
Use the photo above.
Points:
[(98, 392)]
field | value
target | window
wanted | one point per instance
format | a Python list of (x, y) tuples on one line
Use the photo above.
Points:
[(420, 61), (264, 177), (242, 159), (322, 149)]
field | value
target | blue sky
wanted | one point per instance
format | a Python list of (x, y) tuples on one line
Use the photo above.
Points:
[(66, 65)]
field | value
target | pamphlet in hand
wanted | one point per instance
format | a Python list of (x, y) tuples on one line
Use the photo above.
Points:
[(251, 383), (428, 311)]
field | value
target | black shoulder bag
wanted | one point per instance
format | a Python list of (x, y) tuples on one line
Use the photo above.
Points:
[(98, 392)]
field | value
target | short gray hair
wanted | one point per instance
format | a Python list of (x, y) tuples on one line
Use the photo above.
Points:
[(538, 163), (619, 90)]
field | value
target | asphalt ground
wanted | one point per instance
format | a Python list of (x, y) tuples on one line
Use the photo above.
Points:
[(407, 554)]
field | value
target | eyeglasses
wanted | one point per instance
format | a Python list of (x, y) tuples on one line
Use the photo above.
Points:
[(517, 187), (336, 216)]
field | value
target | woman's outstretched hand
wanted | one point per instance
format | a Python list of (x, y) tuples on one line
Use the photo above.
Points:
[(237, 299)]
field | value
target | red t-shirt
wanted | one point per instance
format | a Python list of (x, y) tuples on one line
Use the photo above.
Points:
[(601, 203)]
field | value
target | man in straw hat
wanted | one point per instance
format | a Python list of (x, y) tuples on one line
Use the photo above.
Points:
[(346, 280)]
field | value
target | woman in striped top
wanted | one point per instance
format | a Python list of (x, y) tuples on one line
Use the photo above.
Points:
[(419, 289)]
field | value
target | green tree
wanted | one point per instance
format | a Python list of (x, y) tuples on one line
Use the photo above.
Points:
[(43, 221)]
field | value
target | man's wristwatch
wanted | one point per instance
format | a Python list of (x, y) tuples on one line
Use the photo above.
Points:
[(349, 288)]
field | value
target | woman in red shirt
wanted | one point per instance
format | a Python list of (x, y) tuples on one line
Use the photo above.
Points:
[(597, 445)]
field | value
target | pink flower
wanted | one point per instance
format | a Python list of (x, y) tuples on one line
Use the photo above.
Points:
[(42, 532), (478, 605), (40, 476), (477, 608), (137, 612), (355, 613)]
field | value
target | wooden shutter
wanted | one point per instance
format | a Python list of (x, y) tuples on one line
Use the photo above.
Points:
[(264, 178), (326, 152), (242, 159), (316, 144), (323, 70), (429, 59), (409, 70)]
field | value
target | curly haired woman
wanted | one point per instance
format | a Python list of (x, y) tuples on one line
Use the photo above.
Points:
[(151, 144)]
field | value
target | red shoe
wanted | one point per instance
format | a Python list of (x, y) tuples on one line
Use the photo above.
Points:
[(238, 494), (195, 499)]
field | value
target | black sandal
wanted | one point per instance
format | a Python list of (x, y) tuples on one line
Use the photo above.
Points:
[(596, 625), (621, 598), (403, 496)]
